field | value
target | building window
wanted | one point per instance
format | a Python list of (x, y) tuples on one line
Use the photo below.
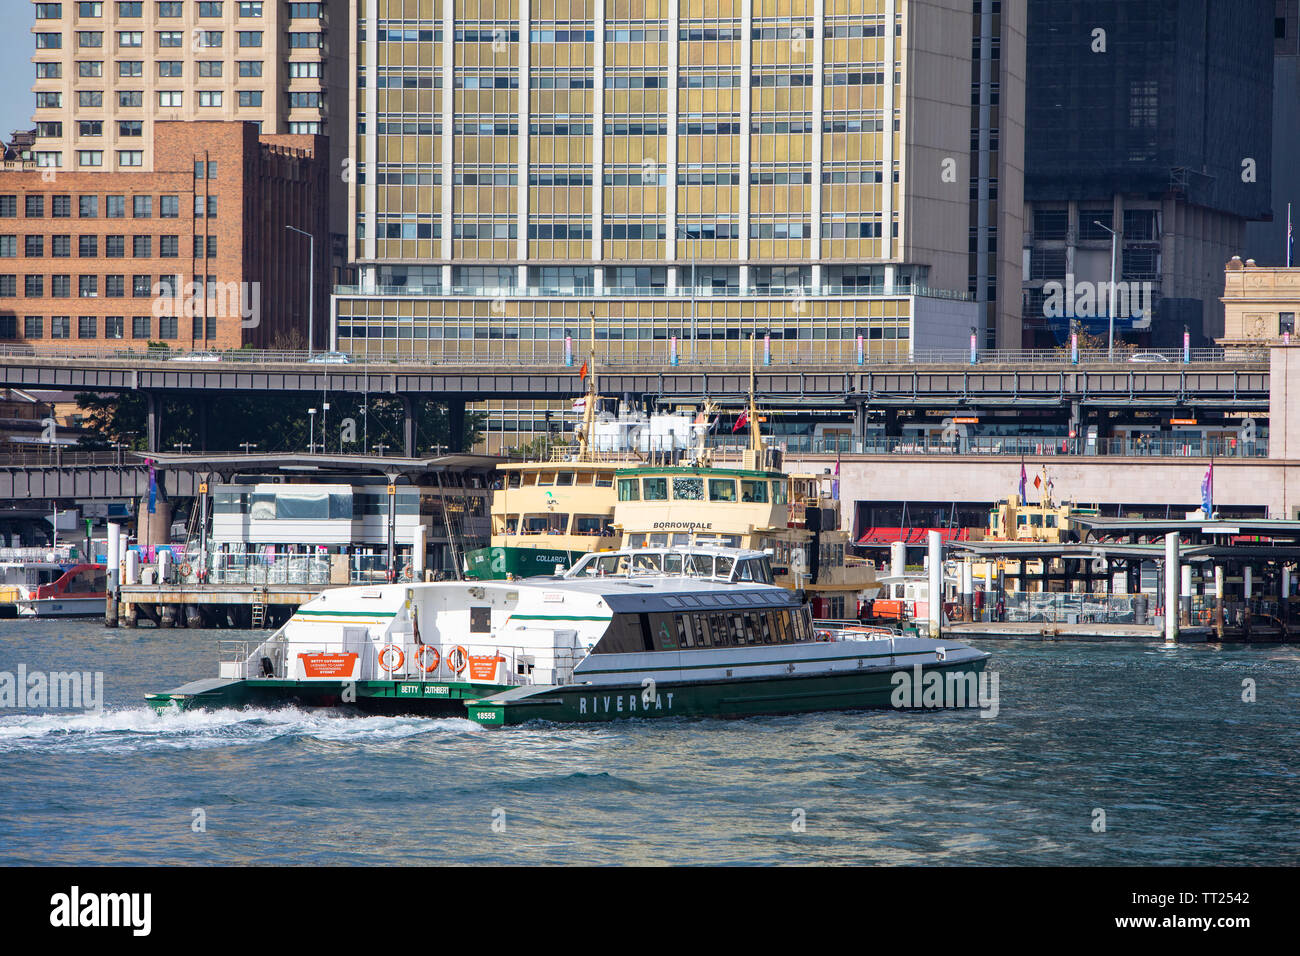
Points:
[(254, 68), (34, 286), (170, 8), (304, 41), (90, 127), (90, 157), (169, 68), (130, 157), (209, 68), (49, 101), (305, 129), (169, 207), (209, 8), (250, 97), (90, 99), (8, 247), (60, 326), (141, 286), (305, 11), (90, 68), (130, 128), (90, 39), (8, 326), (88, 207), (114, 286), (114, 247), (142, 247), (209, 98), (169, 38), (87, 327), (141, 207), (130, 10), (49, 11), (209, 39), (129, 69), (250, 38), (169, 99), (49, 41), (49, 71), (8, 286), (113, 326), (34, 247), (90, 8), (88, 287), (167, 327), (1286, 323), (140, 326), (130, 98), (60, 286), (61, 207), (34, 207), (169, 247), (60, 247), (253, 9), (304, 100), (130, 38), (9, 206), (34, 327)]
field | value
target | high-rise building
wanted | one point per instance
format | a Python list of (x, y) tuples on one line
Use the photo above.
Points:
[(1149, 119), (678, 176), (1266, 241)]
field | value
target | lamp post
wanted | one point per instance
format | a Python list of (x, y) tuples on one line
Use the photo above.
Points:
[(311, 290), (246, 445), (325, 408), (311, 432), (1114, 251)]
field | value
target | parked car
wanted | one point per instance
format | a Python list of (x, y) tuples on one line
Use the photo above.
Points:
[(1149, 357), (331, 358), (197, 357)]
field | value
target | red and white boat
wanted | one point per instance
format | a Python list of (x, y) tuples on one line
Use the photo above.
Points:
[(81, 591)]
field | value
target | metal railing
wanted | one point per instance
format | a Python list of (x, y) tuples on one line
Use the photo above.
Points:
[(1038, 446), (794, 293), (24, 555), (839, 354)]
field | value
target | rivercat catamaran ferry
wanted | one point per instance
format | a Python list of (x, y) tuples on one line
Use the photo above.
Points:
[(654, 632)]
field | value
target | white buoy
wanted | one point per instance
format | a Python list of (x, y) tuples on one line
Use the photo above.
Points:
[(935, 552), (1171, 587)]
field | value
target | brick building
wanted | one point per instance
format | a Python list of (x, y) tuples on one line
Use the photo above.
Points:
[(195, 253)]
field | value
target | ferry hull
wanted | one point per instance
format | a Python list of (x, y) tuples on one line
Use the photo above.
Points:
[(414, 697), (63, 607), (495, 563), (742, 697)]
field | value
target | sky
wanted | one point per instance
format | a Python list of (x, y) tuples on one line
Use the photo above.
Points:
[(16, 43)]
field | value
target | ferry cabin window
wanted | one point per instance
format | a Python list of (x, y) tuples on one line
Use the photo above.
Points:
[(724, 566), (564, 478), (654, 489), (688, 489), (722, 489), (512, 479), (647, 564), (544, 524), (546, 478), (622, 637), (745, 572), (594, 525), (636, 541), (604, 481), (778, 492), (480, 620), (755, 491), (701, 564), (659, 540), (628, 490), (685, 631), (680, 539), (672, 563), (1051, 521)]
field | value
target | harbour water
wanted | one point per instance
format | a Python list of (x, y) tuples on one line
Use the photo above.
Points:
[(1160, 740)]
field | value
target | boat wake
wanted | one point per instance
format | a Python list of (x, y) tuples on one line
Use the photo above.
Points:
[(139, 728)]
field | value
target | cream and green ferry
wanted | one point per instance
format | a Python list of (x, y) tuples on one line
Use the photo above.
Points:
[(685, 632)]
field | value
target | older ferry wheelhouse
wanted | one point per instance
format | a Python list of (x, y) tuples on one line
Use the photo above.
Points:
[(630, 633)]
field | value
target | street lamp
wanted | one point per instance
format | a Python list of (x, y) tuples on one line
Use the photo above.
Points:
[(311, 291), (311, 432), (181, 446), (1114, 251), (325, 408), (246, 445)]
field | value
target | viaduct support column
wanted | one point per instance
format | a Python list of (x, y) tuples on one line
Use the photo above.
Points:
[(408, 426), (455, 425), (151, 425)]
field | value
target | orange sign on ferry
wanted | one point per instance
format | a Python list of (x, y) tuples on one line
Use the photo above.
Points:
[(328, 665)]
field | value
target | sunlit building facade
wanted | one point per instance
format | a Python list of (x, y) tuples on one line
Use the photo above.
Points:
[(675, 176)]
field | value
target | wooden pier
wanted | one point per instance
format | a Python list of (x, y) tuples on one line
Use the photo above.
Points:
[(208, 605)]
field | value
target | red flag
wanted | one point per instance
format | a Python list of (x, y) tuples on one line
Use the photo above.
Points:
[(582, 372), (741, 422), (1038, 481)]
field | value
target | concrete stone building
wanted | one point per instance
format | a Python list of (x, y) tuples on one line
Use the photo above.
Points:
[(1260, 305)]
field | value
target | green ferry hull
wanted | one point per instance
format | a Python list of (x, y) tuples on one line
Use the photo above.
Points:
[(743, 697), (495, 563), (420, 698)]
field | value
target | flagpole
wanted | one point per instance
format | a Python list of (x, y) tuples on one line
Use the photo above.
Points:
[(1288, 236)]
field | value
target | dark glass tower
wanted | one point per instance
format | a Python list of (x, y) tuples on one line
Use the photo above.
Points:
[(1153, 118)]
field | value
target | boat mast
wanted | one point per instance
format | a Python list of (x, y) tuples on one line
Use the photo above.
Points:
[(589, 411), (755, 433)]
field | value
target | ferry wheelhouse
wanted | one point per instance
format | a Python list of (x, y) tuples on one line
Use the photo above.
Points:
[(630, 633)]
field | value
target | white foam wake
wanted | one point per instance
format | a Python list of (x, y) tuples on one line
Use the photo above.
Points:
[(140, 728)]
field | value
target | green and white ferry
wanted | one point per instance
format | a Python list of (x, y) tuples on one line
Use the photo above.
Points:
[(635, 633)]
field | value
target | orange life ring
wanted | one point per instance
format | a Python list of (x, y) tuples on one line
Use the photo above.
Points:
[(457, 658), (423, 651), (384, 657), (185, 570)]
